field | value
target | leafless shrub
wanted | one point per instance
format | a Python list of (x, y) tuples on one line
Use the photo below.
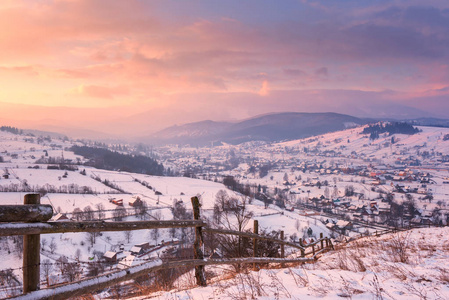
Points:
[(347, 290), (279, 288), (358, 262), (342, 260), (420, 290), (443, 275), (378, 292), (400, 271), (321, 287), (399, 247), (350, 260), (245, 285), (301, 281)]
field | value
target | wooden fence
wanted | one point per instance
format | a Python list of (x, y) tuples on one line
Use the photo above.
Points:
[(36, 217)]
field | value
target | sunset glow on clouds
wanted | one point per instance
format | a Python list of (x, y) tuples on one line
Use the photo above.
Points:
[(194, 60)]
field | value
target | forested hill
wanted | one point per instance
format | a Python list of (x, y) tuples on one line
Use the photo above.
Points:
[(110, 160), (390, 128)]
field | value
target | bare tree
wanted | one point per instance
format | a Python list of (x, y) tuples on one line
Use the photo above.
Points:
[(53, 246), (142, 210), (88, 213), (46, 269), (221, 198), (77, 214), (44, 243), (236, 217), (100, 210), (92, 237), (128, 235), (119, 213), (78, 254), (155, 232)]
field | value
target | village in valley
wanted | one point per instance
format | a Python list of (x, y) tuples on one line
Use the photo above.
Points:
[(344, 185)]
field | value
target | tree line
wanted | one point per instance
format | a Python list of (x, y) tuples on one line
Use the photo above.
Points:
[(110, 160), (11, 129), (394, 127)]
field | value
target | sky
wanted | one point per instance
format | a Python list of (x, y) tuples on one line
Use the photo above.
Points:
[(120, 66)]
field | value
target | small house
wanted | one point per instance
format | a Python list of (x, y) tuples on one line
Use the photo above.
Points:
[(59, 217), (341, 224), (116, 202), (110, 257), (136, 202), (145, 246), (136, 250), (330, 225), (127, 262)]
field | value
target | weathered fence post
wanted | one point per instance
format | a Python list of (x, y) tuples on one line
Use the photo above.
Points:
[(322, 242), (255, 252), (330, 244), (303, 253), (282, 248), (31, 253), (197, 252), (282, 245)]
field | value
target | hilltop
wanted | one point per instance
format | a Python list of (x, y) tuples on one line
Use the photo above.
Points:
[(270, 127)]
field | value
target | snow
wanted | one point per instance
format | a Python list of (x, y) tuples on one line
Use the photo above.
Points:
[(49, 293), (307, 282), (365, 269)]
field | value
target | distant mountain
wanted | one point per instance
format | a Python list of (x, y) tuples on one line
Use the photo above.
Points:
[(270, 128), (192, 130), (429, 122)]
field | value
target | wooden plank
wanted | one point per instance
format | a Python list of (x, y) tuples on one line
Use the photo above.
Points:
[(255, 250), (197, 244), (252, 235), (31, 253), (90, 226), (282, 248), (26, 213), (91, 285)]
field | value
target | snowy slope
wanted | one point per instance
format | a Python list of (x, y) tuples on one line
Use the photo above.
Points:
[(365, 269)]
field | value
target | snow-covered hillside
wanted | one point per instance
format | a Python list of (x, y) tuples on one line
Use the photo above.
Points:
[(81, 192), (405, 265), (303, 191)]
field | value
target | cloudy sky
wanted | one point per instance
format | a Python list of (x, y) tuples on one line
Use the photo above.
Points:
[(93, 63)]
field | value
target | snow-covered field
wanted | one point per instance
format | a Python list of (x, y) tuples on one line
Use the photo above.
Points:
[(20, 165), (406, 265), (362, 270)]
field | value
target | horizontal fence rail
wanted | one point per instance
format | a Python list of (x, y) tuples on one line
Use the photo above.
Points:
[(32, 230), (26, 213), (90, 226), (101, 282), (252, 236), (267, 238)]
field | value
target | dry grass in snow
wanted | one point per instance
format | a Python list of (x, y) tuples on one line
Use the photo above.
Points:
[(405, 265)]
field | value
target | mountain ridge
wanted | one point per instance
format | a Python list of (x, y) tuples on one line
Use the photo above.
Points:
[(268, 127)]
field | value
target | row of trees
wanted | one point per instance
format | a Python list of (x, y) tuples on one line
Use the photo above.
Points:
[(109, 184), (394, 127), (47, 188), (11, 129), (110, 160)]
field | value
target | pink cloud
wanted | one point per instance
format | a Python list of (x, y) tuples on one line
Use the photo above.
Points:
[(96, 91)]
